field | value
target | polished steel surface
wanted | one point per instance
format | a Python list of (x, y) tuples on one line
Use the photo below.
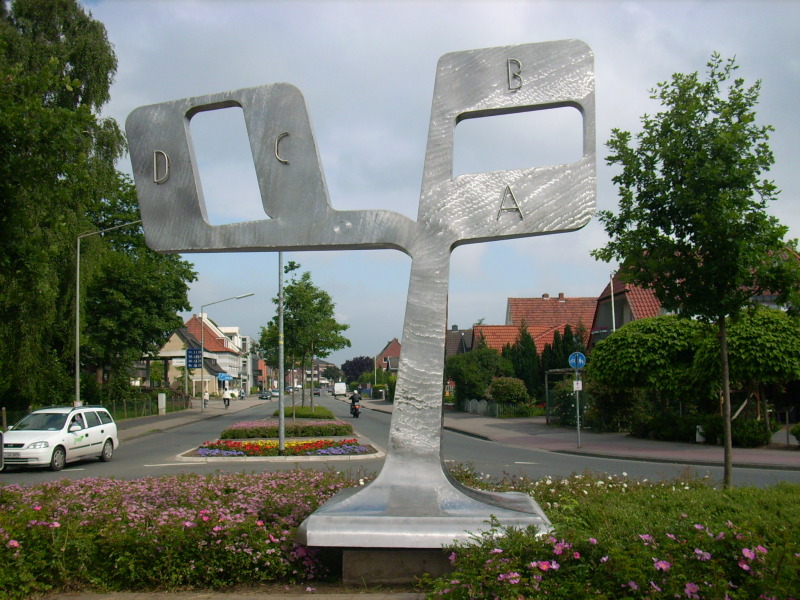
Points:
[(413, 503)]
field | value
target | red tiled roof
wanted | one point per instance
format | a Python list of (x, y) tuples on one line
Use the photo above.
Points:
[(498, 336), (547, 312), (212, 342), (642, 302)]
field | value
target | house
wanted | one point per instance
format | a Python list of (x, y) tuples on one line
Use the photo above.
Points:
[(630, 303), (222, 354), (457, 341), (388, 359), (550, 313)]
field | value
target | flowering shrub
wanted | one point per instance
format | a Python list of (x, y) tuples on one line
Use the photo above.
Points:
[(268, 428), (291, 448), (619, 538), (186, 531)]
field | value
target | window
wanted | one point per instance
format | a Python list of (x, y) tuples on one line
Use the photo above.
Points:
[(92, 419)]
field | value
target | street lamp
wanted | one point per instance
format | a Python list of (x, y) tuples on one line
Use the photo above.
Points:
[(77, 401), (203, 343)]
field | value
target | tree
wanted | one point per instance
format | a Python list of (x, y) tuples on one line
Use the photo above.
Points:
[(655, 354), (763, 349), (58, 179), (309, 326), (354, 367), (473, 371), (692, 222), (556, 355), (526, 362), (332, 373)]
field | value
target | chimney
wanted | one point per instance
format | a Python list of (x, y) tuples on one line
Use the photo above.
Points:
[(545, 296), (561, 297), (455, 327)]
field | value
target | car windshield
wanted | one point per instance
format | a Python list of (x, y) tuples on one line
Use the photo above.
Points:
[(42, 422)]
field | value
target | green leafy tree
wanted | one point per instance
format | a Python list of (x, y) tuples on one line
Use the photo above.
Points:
[(332, 373), (763, 349), (473, 371), (692, 222), (526, 362), (58, 179), (309, 327), (656, 355)]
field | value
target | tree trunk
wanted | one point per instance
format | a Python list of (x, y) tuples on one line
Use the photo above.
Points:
[(727, 481)]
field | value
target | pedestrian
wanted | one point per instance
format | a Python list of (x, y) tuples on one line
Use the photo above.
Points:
[(205, 399)]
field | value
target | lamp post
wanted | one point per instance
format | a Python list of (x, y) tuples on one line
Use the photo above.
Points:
[(613, 313), (203, 343), (77, 401)]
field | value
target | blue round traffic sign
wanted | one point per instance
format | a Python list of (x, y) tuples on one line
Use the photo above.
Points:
[(577, 360)]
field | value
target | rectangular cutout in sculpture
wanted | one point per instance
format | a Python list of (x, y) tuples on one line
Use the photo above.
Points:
[(413, 503)]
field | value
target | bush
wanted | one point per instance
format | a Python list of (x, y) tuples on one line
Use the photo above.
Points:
[(795, 431), (306, 412), (618, 538), (269, 429), (508, 390), (749, 433)]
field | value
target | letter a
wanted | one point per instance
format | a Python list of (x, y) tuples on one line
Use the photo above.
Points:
[(514, 206)]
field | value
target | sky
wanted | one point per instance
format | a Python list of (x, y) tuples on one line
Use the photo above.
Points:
[(366, 70)]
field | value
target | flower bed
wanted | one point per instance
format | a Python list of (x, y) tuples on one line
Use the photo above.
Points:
[(268, 428), (180, 532), (292, 448)]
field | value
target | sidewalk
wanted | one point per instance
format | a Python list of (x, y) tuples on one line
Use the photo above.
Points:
[(533, 433)]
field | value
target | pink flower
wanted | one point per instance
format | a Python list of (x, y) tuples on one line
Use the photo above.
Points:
[(761, 550), (604, 559), (654, 586), (747, 553), (691, 590), (632, 585), (662, 565), (496, 551), (55, 525), (592, 541), (311, 589), (743, 564), (452, 558), (576, 555), (701, 555), (13, 544), (188, 524)]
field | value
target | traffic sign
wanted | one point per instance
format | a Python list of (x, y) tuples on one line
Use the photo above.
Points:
[(224, 377), (577, 360), (194, 358)]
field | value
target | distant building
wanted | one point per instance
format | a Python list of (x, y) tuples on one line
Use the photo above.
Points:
[(630, 302), (388, 359)]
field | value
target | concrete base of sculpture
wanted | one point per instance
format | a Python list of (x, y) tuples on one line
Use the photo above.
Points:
[(391, 566), (415, 515)]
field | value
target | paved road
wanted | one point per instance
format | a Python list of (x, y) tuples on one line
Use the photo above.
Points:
[(152, 446)]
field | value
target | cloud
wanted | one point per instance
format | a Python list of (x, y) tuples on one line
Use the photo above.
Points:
[(366, 70)]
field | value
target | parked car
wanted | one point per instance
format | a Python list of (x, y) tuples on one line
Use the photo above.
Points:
[(264, 395), (317, 391), (54, 436), (275, 393)]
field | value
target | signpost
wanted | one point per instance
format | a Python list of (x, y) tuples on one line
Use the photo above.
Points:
[(193, 359), (577, 361)]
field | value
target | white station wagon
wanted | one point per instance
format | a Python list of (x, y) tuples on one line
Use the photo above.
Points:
[(52, 437)]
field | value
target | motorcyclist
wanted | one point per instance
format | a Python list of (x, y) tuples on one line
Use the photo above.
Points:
[(355, 399)]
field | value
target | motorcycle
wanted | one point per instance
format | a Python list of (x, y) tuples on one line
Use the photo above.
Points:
[(355, 409)]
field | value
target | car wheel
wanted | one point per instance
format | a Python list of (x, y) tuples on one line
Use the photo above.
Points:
[(58, 459), (108, 451)]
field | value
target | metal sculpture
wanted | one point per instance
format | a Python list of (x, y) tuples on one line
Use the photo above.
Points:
[(413, 503)]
